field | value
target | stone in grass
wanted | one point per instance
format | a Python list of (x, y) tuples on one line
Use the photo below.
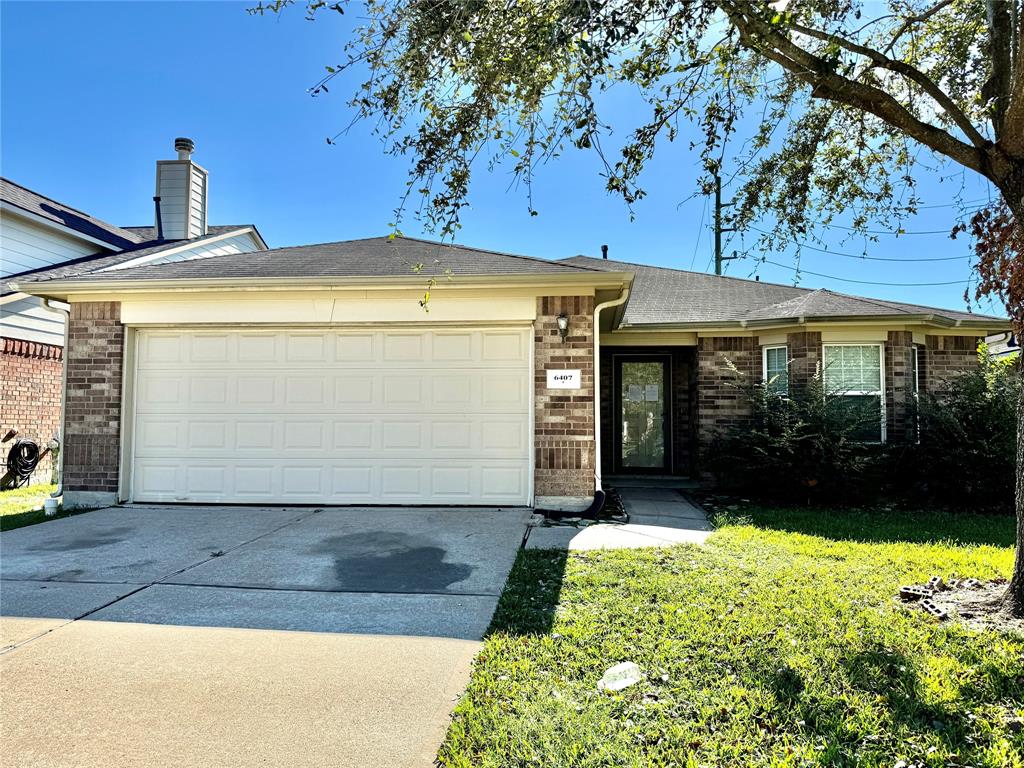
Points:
[(620, 676)]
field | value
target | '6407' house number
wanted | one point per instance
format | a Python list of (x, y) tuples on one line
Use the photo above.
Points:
[(564, 379)]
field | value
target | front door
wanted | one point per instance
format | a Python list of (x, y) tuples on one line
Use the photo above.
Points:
[(642, 406)]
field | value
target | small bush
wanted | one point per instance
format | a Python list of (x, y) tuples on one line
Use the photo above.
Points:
[(966, 456), (807, 446)]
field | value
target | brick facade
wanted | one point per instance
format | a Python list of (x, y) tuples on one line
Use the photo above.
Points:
[(30, 385), (93, 421), (720, 397), (899, 387), (564, 419), (944, 357), (804, 350)]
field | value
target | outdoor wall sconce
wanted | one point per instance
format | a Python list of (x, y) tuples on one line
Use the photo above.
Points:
[(563, 325)]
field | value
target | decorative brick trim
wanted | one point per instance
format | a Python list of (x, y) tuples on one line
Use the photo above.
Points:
[(31, 349), (93, 402), (564, 419)]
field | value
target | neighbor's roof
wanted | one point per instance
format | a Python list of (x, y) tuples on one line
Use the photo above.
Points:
[(48, 208), (95, 263), (371, 257), (663, 296)]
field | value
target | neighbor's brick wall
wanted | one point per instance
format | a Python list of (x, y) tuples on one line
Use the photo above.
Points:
[(944, 357), (93, 421), (30, 382), (564, 419), (721, 400)]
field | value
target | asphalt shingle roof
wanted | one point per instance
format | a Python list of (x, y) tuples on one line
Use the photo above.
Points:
[(371, 257), (663, 296), (40, 205)]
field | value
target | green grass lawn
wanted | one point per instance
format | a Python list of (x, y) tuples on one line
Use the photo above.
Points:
[(778, 643), (23, 506)]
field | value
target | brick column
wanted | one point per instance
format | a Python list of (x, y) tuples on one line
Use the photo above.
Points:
[(93, 404), (945, 357), (899, 386), (804, 356), (564, 419), (721, 395)]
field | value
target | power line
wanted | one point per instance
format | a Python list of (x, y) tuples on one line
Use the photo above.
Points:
[(857, 255), (859, 282)]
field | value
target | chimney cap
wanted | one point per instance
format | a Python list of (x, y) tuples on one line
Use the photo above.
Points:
[(184, 144), (604, 251)]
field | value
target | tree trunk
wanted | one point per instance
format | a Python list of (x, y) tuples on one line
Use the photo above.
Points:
[(1013, 600)]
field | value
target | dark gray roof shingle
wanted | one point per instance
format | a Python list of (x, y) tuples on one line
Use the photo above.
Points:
[(663, 296), (47, 208), (371, 257)]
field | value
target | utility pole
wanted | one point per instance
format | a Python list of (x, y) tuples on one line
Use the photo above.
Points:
[(719, 205)]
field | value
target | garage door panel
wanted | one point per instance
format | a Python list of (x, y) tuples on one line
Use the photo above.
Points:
[(332, 416)]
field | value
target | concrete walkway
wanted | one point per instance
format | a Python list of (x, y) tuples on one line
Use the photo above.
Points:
[(239, 636), (658, 517)]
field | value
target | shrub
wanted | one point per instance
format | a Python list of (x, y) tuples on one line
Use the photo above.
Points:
[(805, 446), (966, 455)]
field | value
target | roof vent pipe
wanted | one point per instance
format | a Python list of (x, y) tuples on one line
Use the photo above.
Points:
[(604, 251), (185, 147)]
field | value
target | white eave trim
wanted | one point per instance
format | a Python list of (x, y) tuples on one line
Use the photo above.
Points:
[(561, 281), (182, 245)]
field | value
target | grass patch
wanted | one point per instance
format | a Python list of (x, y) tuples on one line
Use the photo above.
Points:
[(24, 506), (778, 643)]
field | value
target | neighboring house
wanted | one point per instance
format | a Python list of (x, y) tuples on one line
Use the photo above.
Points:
[(312, 374), (41, 238)]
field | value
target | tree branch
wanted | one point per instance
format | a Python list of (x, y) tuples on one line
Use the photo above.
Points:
[(912, 20), (826, 83), (882, 61)]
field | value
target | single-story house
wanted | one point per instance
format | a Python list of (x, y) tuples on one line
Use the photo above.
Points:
[(313, 375), (43, 238)]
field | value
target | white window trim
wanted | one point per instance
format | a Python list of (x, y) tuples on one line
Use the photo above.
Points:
[(764, 364), (881, 377)]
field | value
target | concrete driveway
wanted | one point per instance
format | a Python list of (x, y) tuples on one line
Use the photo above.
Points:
[(239, 636)]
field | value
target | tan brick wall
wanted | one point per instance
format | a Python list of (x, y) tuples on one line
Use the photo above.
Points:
[(93, 421), (720, 398), (30, 382), (564, 419), (944, 357)]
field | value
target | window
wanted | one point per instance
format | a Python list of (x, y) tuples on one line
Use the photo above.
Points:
[(854, 372), (776, 369)]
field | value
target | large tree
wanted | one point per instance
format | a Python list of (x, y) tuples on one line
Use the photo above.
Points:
[(831, 105)]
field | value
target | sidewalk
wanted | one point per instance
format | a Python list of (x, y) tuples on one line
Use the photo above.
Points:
[(658, 517)]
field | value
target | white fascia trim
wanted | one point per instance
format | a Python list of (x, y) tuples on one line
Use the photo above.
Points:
[(164, 252), (56, 288), (35, 217)]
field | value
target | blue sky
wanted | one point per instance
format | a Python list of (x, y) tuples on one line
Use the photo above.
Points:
[(94, 93)]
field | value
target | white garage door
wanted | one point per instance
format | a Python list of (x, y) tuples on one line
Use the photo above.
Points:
[(437, 416)]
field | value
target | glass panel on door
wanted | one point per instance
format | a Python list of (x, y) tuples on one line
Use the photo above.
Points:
[(643, 415)]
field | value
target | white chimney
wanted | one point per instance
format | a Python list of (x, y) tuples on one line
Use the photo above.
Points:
[(181, 193)]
